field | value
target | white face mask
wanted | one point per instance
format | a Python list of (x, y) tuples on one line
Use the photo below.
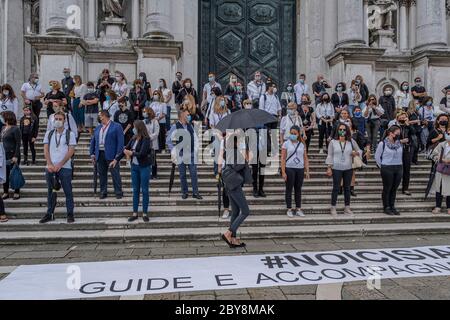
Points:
[(58, 124), (6, 93), (291, 112), (275, 90), (188, 85), (248, 106)]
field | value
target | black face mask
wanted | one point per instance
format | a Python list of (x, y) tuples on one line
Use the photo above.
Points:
[(443, 123), (402, 121), (99, 120), (397, 137)]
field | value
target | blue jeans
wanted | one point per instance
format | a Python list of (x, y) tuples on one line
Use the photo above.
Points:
[(239, 209), (183, 178), (140, 177), (65, 177), (102, 167)]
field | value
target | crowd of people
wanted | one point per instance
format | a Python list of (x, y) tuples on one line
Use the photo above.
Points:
[(132, 120)]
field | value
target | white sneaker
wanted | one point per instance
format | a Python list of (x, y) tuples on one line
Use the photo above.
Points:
[(321, 151), (300, 213), (290, 213), (333, 212), (226, 214)]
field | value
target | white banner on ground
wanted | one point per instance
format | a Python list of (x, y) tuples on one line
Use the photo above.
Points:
[(124, 278)]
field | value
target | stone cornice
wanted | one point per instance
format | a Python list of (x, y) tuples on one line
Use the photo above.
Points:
[(356, 54), (159, 47), (57, 44)]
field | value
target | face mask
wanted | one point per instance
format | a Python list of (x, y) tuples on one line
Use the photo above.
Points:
[(188, 85), (135, 131), (179, 78), (397, 137), (248, 106), (275, 90), (258, 78), (405, 88), (358, 82), (419, 83), (2, 120), (51, 88), (301, 81), (118, 79), (443, 123), (67, 75), (145, 115), (291, 112), (90, 90), (141, 78), (388, 93), (222, 104), (161, 84), (289, 89), (293, 137), (233, 80), (211, 79), (189, 118), (358, 114), (6, 93), (108, 98), (36, 81), (402, 121), (238, 88), (58, 124), (155, 98), (429, 104), (326, 100), (342, 133), (339, 89)]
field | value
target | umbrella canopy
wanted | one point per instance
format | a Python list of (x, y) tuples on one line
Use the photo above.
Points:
[(246, 119)]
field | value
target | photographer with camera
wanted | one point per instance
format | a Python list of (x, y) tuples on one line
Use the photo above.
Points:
[(320, 88), (325, 115), (306, 112), (59, 148), (373, 113)]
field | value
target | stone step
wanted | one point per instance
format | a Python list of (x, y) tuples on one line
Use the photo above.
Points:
[(122, 223), (212, 210), (213, 233)]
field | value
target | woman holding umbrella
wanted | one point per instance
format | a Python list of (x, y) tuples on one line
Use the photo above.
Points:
[(441, 184)]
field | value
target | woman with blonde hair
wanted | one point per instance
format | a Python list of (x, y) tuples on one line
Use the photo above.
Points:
[(220, 111), (160, 109), (415, 123), (54, 97), (153, 128), (120, 86), (79, 91)]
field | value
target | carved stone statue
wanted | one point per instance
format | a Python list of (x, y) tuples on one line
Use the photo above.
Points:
[(113, 8), (382, 28)]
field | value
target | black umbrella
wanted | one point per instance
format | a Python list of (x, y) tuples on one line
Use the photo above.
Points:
[(55, 184), (245, 119), (430, 181), (95, 178), (219, 198), (172, 177)]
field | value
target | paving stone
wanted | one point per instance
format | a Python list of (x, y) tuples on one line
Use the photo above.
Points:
[(141, 252), (52, 247), (109, 246), (299, 290), (317, 247), (238, 297), (231, 292), (198, 297), (262, 242), (16, 248), (83, 254), (360, 245), (144, 245), (124, 252), (216, 250), (200, 244), (176, 244), (5, 254), (266, 294), (175, 250), (361, 293), (83, 246), (397, 293), (166, 296), (409, 282), (107, 252), (299, 297), (38, 254), (19, 262), (278, 248), (429, 293)]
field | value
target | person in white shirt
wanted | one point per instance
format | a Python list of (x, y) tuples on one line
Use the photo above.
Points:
[(207, 88), (153, 128), (403, 96), (372, 112), (290, 120), (32, 94), (111, 104), (78, 111), (294, 168), (159, 107), (120, 86), (220, 111), (256, 89), (445, 103), (441, 184), (9, 101), (325, 115), (69, 122), (389, 158), (270, 103), (301, 87), (167, 98), (59, 148)]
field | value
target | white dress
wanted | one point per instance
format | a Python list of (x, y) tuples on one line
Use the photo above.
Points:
[(441, 179)]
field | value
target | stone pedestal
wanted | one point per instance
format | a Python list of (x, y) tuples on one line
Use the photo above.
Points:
[(158, 20), (384, 39), (114, 33)]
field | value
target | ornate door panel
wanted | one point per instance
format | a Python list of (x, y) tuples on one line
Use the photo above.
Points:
[(243, 36)]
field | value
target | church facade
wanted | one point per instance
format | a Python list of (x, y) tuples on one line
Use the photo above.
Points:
[(385, 41)]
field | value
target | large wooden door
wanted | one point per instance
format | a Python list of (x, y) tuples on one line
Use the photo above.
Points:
[(243, 36)]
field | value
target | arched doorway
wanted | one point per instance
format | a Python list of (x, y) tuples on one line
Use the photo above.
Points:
[(243, 36)]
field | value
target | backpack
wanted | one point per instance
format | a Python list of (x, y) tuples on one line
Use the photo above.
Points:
[(51, 133)]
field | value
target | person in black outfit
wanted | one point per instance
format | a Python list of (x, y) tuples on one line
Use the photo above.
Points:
[(146, 85), (419, 92), (259, 164), (11, 139), (29, 130), (387, 102), (437, 135), (103, 84), (363, 90), (67, 86), (308, 116), (125, 118), (319, 88), (340, 99), (415, 123), (138, 99), (238, 98), (55, 96), (186, 90), (177, 85)]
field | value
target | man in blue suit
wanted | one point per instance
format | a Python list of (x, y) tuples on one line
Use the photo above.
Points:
[(106, 145)]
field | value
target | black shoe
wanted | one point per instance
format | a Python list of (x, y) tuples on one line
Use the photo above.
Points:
[(184, 196), (70, 219), (352, 192), (262, 194), (389, 211), (197, 196), (255, 194), (47, 218), (407, 193), (103, 197), (33, 162), (146, 218), (395, 211), (119, 197), (132, 219)]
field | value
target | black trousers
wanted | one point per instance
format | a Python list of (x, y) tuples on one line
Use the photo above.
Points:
[(162, 136), (8, 172), (407, 160), (155, 169), (392, 177), (258, 177), (324, 133), (346, 177), (440, 199), (270, 127), (295, 178), (225, 198), (26, 140), (309, 135), (36, 106)]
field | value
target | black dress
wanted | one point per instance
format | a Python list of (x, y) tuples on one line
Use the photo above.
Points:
[(11, 139)]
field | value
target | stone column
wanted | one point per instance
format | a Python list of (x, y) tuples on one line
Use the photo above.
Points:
[(330, 30), (92, 19), (431, 23), (57, 17), (403, 25), (136, 19), (366, 22), (350, 23), (412, 23), (158, 19)]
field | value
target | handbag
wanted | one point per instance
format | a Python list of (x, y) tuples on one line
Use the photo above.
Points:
[(441, 167), (232, 179), (16, 179), (357, 161)]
